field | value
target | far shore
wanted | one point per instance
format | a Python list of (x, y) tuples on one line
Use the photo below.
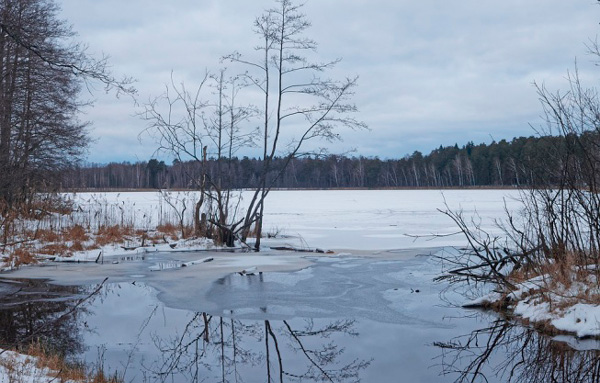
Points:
[(131, 190)]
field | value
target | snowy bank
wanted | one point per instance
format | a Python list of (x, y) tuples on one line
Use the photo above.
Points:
[(16, 367), (551, 306)]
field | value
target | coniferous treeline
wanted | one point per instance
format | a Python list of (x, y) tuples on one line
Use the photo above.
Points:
[(502, 163)]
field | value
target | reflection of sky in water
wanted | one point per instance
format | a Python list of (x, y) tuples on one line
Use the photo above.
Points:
[(349, 319), (391, 328), (346, 288)]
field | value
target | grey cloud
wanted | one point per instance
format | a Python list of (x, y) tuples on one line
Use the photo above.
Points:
[(431, 72)]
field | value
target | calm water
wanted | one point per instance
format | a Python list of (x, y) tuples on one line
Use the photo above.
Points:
[(342, 320)]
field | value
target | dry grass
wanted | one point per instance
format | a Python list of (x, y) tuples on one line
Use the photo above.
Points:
[(169, 229), (53, 227), (66, 242), (253, 231), (47, 235), (22, 256), (50, 367), (563, 282), (57, 248), (107, 235), (76, 234), (64, 371), (77, 246)]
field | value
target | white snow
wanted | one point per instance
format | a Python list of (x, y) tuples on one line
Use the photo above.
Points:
[(534, 310), (581, 319), (19, 368), (557, 305), (330, 219), (116, 250)]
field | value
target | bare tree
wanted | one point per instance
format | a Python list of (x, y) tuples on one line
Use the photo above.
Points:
[(306, 107), (190, 125), (297, 101), (41, 73)]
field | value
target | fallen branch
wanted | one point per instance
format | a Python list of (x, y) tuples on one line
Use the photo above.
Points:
[(289, 248)]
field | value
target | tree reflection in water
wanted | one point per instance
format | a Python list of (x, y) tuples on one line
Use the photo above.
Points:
[(206, 348), (209, 343), (36, 311), (510, 352)]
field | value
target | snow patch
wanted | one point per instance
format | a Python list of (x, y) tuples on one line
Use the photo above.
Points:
[(15, 367), (558, 305), (581, 319)]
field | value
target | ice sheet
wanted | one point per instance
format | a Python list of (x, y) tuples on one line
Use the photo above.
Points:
[(336, 219)]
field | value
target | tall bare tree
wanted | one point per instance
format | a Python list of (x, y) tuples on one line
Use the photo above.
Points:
[(298, 106), (41, 72), (297, 102)]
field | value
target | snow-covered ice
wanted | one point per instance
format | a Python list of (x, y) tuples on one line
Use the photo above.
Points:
[(336, 219)]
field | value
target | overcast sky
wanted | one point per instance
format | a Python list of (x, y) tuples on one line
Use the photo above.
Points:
[(431, 72)]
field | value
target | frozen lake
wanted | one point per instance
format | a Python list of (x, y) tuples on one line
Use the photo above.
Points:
[(381, 219), (371, 313), (335, 219)]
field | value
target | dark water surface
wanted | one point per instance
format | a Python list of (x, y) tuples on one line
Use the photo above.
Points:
[(342, 320)]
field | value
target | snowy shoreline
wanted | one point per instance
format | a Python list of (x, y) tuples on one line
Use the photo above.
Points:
[(557, 310)]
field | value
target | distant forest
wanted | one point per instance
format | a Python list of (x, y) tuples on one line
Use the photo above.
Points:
[(503, 163)]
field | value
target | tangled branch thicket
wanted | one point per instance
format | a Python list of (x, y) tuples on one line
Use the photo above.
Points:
[(556, 235)]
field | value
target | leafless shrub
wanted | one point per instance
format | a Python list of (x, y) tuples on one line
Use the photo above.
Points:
[(557, 232)]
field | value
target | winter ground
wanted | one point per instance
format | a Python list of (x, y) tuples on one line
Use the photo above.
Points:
[(15, 367)]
